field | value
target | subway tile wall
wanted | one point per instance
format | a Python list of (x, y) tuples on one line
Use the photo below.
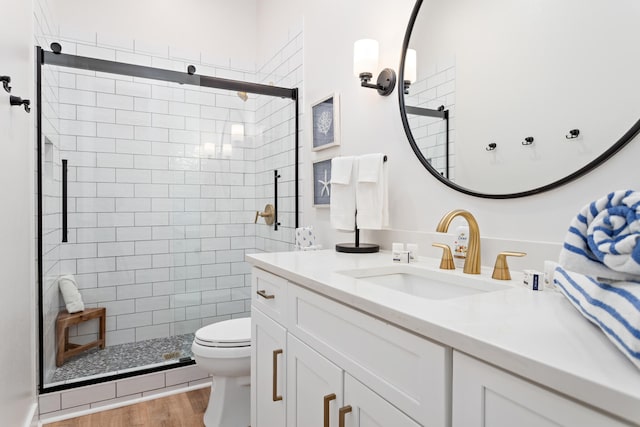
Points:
[(162, 190), (114, 392), (436, 89)]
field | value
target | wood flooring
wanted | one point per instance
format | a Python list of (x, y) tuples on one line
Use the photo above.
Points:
[(178, 410)]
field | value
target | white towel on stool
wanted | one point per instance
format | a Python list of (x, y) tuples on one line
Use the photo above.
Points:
[(372, 192), (70, 294), (342, 201)]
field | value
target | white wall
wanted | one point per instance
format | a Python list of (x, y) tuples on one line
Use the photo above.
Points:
[(371, 123), (17, 357), (226, 28)]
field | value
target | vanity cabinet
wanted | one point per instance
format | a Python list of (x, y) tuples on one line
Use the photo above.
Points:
[(268, 350), (337, 359), (485, 396)]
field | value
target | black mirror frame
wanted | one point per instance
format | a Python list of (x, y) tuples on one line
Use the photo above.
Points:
[(623, 141)]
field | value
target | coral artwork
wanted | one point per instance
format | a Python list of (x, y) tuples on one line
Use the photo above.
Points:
[(324, 122)]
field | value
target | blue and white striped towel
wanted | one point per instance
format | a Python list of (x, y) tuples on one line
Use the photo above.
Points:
[(604, 238), (613, 307)]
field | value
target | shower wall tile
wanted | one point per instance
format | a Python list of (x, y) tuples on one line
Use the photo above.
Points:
[(88, 394), (114, 101), (163, 209)]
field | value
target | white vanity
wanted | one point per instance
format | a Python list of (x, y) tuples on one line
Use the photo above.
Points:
[(333, 347)]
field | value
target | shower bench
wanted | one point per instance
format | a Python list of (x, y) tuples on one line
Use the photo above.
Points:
[(65, 320)]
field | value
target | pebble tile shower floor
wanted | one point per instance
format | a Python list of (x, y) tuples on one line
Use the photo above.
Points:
[(125, 356)]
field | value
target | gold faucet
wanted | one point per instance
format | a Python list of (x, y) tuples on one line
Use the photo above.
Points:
[(472, 261)]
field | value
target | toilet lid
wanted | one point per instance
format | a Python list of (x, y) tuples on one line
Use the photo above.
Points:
[(228, 333)]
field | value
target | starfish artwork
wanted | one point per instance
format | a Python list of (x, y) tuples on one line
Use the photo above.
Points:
[(325, 184)]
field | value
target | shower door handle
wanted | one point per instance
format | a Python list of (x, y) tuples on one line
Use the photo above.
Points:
[(64, 200), (275, 199), (275, 396)]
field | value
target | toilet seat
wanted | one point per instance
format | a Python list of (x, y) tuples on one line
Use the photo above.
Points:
[(226, 334)]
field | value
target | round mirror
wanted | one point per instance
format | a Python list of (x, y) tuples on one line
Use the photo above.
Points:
[(508, 98)]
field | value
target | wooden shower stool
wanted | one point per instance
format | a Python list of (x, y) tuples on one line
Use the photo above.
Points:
[(65, 320)]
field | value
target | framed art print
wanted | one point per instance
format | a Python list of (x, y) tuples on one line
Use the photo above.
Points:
[(322, 183), (325, 115)]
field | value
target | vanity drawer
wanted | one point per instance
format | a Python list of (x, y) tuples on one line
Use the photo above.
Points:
[(411, 372), (269, 294)]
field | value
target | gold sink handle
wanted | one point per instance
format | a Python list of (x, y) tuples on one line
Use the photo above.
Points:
[(501, 268), (446, 263), (267, 214)]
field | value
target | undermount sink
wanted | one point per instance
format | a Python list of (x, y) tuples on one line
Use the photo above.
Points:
[(425, 283)]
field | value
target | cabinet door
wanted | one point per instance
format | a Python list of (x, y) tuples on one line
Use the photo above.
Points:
[(268, 374), (485, 396), (364, 408), (314, 387)]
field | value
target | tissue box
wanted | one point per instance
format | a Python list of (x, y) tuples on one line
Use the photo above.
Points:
[(533, 280)]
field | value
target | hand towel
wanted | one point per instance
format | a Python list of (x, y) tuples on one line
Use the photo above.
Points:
[(70, 294), (612, 306), (372, 192), (604, 238), (342, 201)]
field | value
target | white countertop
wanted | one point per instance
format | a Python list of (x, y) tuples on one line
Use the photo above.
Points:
[(537, 335)]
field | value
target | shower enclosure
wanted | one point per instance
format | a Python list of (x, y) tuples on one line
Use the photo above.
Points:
[(149, 181)]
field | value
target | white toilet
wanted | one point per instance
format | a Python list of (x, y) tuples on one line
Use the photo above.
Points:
[(224, 350)]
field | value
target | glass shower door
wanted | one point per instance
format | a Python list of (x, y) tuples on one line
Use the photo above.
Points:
[(163, 181)]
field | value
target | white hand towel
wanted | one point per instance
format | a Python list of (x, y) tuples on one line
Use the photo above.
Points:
[(342, 201), (70, 294), (372, 192)]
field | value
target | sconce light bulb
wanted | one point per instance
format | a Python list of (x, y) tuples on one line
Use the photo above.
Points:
[(365, 56)]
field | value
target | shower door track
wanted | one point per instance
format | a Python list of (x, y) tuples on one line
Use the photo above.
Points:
[(92, 64)]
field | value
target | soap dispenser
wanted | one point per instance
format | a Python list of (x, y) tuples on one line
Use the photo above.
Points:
[(460, 246)]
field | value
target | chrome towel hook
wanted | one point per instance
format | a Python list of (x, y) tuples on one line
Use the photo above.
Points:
[(528, 141), (16, 100), (490, 147), (5, 83), (573, 133)]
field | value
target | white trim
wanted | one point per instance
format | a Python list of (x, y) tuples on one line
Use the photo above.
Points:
[(32, 416), (121, 404)]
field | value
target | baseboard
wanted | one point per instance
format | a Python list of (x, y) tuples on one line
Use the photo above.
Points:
[(121, 404), (33, 417)]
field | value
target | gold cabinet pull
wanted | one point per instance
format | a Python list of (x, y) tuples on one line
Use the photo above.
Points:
[(276, 397), (501, 268), (327, 399), (341, 413), (263, 293)]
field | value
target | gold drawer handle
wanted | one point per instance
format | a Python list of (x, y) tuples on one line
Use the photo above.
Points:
[(276, 397), (327, 399), (342, 412), (263, 294)]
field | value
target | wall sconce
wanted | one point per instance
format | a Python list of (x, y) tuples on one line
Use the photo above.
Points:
[(365, 62)]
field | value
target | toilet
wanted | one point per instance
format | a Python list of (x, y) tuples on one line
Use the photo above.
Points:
[(224, 350)]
